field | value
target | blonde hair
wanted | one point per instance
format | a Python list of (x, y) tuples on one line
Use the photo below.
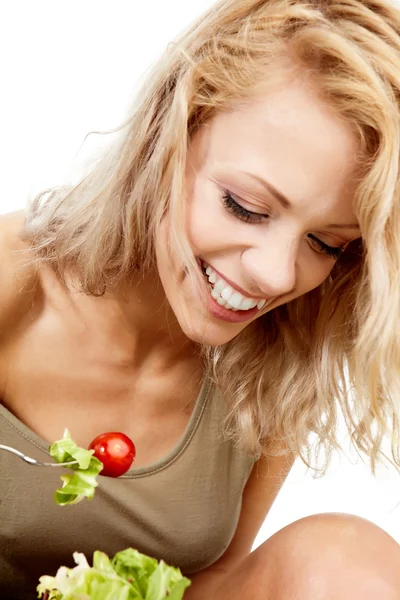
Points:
[(283, 374)]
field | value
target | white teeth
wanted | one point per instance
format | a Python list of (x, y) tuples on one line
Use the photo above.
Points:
[(219, 286), (236, 300), (247, 303), (227, 292), (226, 296)]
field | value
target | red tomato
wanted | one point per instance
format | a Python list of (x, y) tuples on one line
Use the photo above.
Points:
[(116, 451)]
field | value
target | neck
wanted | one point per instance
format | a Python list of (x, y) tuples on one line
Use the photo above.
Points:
[(140, 319)]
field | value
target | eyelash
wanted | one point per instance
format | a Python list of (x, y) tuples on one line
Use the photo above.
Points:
[(239, 211), (251, 217)]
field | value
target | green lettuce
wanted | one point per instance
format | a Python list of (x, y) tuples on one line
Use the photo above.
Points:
[(130, 575), (82, 482)]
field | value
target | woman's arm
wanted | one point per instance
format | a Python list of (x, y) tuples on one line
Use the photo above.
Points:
[(265, 481)]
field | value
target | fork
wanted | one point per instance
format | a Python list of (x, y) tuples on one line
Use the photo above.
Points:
[(35, 462)]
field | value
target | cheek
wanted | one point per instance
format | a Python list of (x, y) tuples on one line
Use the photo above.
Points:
[(199, 231), (197, 210), (313, 273), (208, 229)]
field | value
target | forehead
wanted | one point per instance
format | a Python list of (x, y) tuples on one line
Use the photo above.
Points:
[(291, 137)]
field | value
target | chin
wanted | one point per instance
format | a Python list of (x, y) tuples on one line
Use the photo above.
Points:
[(208, 334)]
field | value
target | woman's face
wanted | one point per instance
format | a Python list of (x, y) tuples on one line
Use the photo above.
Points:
[(269, 190)]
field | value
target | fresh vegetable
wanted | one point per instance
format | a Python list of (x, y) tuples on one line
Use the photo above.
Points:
[(82, 482), (130, 575), (110, 453), (116, 451)]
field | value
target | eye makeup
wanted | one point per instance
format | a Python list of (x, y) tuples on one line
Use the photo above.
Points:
[(234, 207), (231, 204), (330, 251)]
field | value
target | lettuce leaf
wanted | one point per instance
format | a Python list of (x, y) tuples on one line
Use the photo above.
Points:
[(130, 575), (82, 482)]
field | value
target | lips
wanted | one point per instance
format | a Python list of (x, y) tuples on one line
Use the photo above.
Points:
[(227, 294), (218, 306)]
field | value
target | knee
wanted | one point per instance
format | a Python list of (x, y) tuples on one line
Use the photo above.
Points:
[(331, 556)]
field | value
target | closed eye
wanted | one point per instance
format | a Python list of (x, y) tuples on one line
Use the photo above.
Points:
[(248, 216), (329, 251), (239, 211)]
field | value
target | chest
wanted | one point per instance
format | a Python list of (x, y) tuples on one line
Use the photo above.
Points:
[(59, 373), (184, 511)]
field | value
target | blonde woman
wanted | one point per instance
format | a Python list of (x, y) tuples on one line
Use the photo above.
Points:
[(223, 278)]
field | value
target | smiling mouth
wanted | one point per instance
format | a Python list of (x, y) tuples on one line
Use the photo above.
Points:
[(227, 296)]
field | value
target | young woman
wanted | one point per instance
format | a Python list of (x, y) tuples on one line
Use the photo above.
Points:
[(220, 280)]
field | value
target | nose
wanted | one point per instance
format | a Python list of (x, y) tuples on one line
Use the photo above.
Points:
[(272, 269)]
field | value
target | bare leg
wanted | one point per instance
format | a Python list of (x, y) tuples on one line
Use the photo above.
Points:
[(323, 557)]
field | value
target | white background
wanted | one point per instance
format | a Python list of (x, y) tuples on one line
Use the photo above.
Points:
[(70, 67)]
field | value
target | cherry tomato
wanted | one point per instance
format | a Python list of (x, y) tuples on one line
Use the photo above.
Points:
[(116, 451)]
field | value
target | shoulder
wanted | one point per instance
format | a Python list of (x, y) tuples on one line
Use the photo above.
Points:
[(18, 277)]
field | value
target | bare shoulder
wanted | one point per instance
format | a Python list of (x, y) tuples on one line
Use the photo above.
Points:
[(18, 279)]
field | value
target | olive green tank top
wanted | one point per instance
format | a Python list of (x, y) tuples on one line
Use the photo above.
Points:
[(184, 508)]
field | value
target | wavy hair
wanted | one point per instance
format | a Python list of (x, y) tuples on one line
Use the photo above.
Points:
[(288, 373)]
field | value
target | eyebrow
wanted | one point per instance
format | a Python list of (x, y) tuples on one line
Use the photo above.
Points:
[(284, 202)]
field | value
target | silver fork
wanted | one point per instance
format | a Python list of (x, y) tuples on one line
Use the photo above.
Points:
[(33, 461)]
